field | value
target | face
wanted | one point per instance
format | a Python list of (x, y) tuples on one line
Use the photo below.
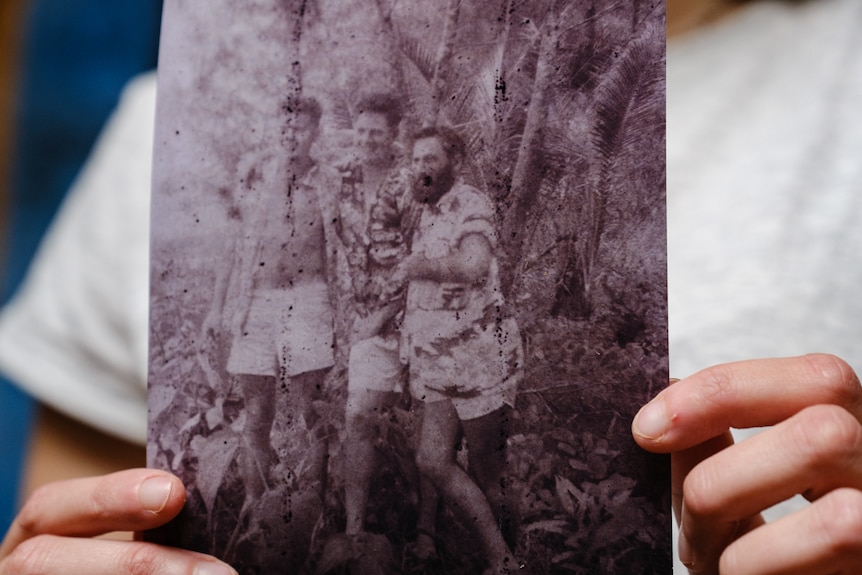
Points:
[(373, 138), (298, 135), (433, 172)]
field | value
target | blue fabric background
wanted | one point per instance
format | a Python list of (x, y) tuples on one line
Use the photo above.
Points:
[(77, 56)]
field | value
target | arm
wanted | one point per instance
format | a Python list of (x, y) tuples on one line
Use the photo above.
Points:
[(52, 532), (814, 405), (469, 262), (370, 325)]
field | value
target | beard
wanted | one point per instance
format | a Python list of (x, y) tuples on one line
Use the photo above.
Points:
[(429, 188)]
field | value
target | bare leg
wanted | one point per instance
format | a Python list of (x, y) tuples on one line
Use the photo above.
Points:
[(436, 458), (259, 394), (360, 455), (303, 388), (426, 523), (486, 438)]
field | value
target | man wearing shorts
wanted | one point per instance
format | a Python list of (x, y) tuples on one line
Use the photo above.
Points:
[(273, 297), (465, 356), (376, 216)]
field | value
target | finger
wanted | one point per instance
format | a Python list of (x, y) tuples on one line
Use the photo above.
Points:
[(812, 453), (703, 559), (825, 537), (50, 554), (683, 462), (131, 500), (722, 533), (743, 394)]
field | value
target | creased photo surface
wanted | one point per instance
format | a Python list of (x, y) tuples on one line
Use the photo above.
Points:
[(408, 284)]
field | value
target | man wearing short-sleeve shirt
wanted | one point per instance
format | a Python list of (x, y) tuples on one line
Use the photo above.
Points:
[(465, 355)]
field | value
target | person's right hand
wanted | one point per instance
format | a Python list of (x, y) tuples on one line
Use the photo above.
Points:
[(53, 532)]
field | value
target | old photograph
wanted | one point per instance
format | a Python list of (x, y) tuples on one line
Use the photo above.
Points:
[(408, 284)]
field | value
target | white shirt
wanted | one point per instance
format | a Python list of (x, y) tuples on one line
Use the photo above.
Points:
[(764, 200), (75, 335), (765, 185)]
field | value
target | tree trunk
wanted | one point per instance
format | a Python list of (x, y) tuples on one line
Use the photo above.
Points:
[(393, 49), (525, 180), (444, 55)]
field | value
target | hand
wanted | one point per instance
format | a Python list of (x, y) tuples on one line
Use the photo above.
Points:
[(366, 327), (50, 533), (814, 448)]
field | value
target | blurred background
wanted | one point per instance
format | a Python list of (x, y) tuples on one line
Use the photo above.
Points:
[(62, 67)]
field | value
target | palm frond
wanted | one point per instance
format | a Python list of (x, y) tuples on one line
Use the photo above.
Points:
[(421, 57), (623, 98)]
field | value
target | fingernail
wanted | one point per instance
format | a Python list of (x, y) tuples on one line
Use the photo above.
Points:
[(213, 568), (685, 554), (154, 492), (651, 421)]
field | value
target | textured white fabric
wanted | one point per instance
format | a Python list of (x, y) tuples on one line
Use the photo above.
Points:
[(75, 336), (765, 188), (765, 185), (764, 205)]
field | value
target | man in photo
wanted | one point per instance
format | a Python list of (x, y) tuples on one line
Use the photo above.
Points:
[(377, 214), (465, 355), (272, 299)]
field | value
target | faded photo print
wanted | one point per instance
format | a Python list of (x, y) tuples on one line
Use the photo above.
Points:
[(408, 284)]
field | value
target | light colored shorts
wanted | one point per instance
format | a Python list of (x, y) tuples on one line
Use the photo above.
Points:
[(286, 331), (374, 364)]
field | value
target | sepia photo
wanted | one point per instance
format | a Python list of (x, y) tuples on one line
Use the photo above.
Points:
[(408, 284)]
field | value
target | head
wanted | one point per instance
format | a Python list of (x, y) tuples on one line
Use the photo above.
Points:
[(438, 153), (300, 125), (375, 129)]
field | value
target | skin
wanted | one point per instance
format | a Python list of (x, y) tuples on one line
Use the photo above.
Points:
[(373, 140), (813, 405), (713, 479), (372, 146), (66, 507), (429, 163), (472, 260), (298, 135), (684, 16)]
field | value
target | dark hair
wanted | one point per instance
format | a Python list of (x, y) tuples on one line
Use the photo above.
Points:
[(302, 105), (382, 103), (453, 144)]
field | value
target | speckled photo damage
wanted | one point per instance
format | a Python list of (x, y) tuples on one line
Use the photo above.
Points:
[(408, 284)]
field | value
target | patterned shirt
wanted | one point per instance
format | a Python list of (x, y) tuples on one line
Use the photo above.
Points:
[(374, 232), (449, 308), (455, 335)]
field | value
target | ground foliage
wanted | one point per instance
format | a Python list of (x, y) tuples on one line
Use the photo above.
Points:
[(562, 106)]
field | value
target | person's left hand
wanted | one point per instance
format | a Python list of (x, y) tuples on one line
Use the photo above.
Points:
[(814, 448), (53, 532)]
